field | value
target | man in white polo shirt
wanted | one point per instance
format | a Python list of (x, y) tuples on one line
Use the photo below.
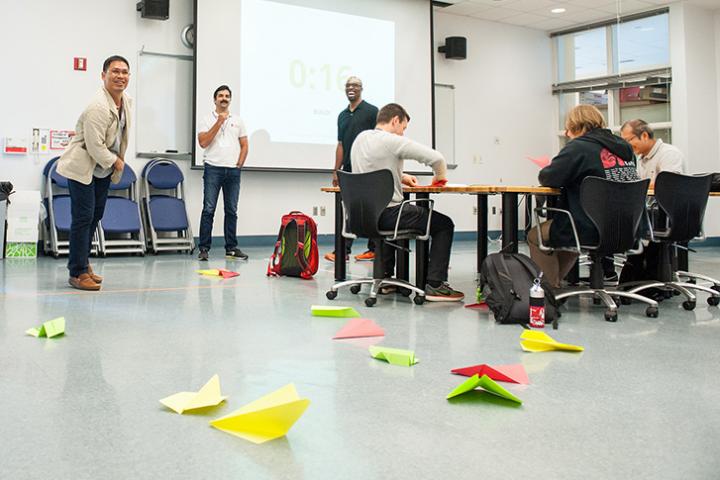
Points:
[(654, 156), (224, 138)]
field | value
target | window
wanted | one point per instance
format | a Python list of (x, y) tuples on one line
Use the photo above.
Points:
[(622, 67)]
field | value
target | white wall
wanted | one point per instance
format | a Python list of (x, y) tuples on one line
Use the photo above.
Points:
[(502, 92), (695, 51)]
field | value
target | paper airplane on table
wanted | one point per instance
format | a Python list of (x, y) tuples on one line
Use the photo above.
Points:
[(487, 385), (394, 356), (360, 327), (333, 311), (208, 396), (541, 162), (49, 329), (533, 341), (501, 373), (266, 418), (218, 272)]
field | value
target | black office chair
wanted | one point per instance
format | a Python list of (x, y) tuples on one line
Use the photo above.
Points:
[(616, 210), (681, 200), (364, 197)]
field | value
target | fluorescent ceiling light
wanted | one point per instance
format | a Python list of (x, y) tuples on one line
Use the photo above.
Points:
[(558, 10)]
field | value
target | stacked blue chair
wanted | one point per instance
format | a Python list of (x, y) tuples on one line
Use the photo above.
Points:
[(56, 227), (121, 229), (164, 207)]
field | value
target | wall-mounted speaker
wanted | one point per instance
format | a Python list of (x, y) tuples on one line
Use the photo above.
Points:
[(455, 47), (154, 9)]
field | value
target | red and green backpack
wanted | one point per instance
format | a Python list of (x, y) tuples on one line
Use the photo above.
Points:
[(296, 251)]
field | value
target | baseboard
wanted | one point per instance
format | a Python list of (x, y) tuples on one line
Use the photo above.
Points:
[(328, 239)]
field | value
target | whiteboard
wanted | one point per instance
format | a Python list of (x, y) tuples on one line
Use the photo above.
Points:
[(445, 121), (164, 103)]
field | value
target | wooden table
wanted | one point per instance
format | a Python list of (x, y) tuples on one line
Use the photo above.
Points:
[(509, 214)]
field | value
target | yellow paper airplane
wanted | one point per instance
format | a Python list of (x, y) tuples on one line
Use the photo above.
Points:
[(208, 396), (266, 418), (49, 329), (394, 356), (534, 341), (213, 272)]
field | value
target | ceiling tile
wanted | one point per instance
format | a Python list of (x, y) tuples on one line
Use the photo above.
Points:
[(496, 14), (553, 24), (464, 8), (495, 3), (535, 5), (524, 19), (626, 6)]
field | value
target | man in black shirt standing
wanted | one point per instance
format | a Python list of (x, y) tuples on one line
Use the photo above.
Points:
[(357, 117)]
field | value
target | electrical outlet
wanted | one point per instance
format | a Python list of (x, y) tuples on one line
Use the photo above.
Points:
[(315, 211), (477, 159), (322, 211), (474, 209), (496, 140), (494, 210)]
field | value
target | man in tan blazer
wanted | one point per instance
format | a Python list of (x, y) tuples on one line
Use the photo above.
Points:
[(93, 159)]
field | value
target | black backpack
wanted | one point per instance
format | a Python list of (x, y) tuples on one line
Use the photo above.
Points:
[(505, 281)]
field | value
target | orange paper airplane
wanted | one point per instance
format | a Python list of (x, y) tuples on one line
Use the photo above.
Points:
[(502, 373), (360, 327)]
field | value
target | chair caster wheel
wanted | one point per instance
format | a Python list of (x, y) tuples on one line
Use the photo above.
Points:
[(418, 299), (651, 312), (370, 301), (355, 289), (405, 292), (625, 300), (688, 305), (611, 316), (331, 295), (713, 301)]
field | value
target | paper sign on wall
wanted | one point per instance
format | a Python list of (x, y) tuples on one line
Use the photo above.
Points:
[(40, 140), (16, 146), (59, 139)]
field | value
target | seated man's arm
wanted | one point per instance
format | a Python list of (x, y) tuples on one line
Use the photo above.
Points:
[(410, 150)]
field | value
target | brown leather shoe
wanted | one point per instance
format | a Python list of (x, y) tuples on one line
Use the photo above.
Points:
[(96, 278), (83, 282)]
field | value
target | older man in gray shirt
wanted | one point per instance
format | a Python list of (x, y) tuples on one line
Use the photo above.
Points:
[(654, 156), (385, 148)]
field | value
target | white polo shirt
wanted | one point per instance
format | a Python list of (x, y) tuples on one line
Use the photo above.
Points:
[(663, 157), (224, 150)]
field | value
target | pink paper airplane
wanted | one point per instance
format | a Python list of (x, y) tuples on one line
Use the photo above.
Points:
[(360, 327), (478, 306), (502, 373), (541, 162), (227, 273)]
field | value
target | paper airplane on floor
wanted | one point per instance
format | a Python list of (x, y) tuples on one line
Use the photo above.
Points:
[(218, 272), (542, 161), (501, 373), (394, 356), (208, 396), (487, 384), (360, 327), (49, 329), (534, 341), (266, 418), (333, 311), (478, 306)]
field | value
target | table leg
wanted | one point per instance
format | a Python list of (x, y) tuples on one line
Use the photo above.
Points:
[(482, 230), (528, 213), (403, 256), (421, 252), (510, 222), (339, 240)]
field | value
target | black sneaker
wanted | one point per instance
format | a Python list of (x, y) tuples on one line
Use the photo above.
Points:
[(443, 293), (203, 256), (236, 253)]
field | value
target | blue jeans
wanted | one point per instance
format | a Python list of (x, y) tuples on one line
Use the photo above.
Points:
[(214, 179), (87, 205)]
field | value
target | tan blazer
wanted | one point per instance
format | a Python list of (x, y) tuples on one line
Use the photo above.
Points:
[(95, 132)]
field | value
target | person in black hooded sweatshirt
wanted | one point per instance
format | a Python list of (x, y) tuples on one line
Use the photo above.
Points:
[(593, 151)]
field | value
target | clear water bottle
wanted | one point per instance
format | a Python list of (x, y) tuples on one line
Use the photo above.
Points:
[(537, 304)]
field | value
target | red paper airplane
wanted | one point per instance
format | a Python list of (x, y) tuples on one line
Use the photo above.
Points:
[(502, 373), (227, 273), (541, 162), (360, 327), (478, 306)]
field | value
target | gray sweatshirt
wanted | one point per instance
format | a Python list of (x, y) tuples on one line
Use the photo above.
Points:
[(379, 150)]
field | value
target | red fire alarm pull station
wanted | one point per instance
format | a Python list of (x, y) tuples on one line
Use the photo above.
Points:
[(80, 63)]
